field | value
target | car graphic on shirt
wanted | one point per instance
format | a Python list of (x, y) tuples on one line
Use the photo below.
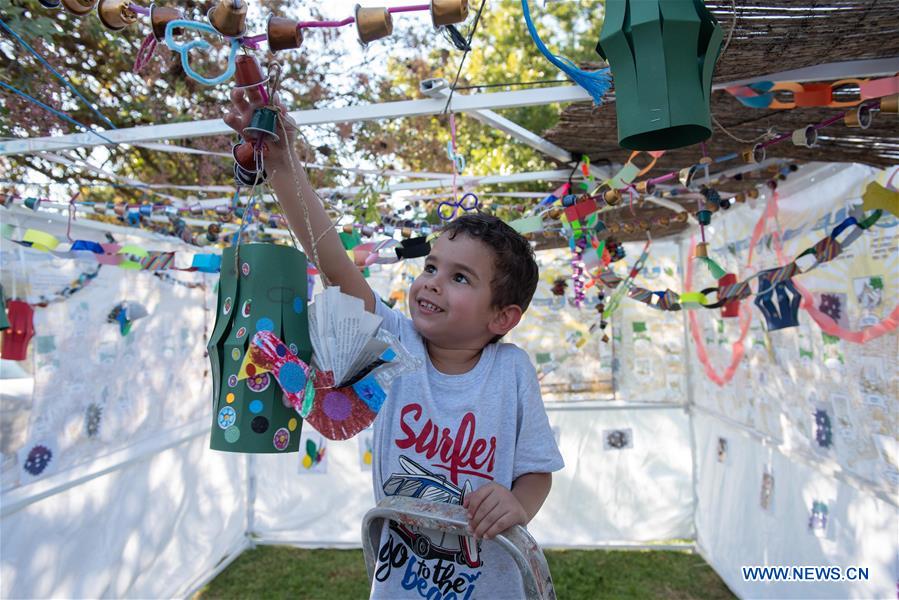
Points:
[(418, 482)]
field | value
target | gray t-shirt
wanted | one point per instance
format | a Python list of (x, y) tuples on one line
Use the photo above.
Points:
[(438, 437)]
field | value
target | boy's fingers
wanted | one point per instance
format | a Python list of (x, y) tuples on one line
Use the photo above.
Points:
[(487, 506), (233, 120), (487, 522), (239, 99), (474, 499), (501, 524), (253, 96)]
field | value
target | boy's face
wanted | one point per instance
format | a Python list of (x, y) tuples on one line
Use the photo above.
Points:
[(450, 302)]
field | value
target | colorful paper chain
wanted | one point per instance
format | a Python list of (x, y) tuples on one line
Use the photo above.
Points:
[(763, 94)]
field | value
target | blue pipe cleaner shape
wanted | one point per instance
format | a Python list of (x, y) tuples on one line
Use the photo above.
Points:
[(786, 312), (200, 44)]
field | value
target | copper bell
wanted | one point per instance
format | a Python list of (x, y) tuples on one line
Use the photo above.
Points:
[(283, 34), (348, 229), (116, 14), (702, 250), (247, 72), (890, 104), (664, 221), (612, 197), (229, 18), (373, 23), (681, 217), (752, 193), (555, 213), (407, 232), (448, 12), (860, 118), (245, 155), (627, 227), (160, 16), (740, 198), (79, 7)]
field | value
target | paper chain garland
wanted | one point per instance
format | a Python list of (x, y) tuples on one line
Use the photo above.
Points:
[(764, 94), (772, 281)]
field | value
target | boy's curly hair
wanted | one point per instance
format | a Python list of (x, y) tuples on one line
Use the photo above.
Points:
[(516, 268)]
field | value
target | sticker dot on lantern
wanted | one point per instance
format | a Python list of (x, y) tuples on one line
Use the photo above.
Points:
[(265, 324), (229, 398), (298, 305), (232, 434), (235, 353), (256, 406), (292, 424), (259, 425)]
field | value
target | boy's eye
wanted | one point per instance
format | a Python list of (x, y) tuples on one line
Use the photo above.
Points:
[(429, 268), (460, 278)]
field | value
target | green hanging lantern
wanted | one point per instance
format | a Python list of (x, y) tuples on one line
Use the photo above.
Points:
[(265, 288), (662, 54)]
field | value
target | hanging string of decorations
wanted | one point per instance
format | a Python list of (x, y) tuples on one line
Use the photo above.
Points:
[(228, 19)]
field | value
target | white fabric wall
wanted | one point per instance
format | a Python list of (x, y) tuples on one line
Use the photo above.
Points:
[(603, 496), (143, 509), (733, 531)]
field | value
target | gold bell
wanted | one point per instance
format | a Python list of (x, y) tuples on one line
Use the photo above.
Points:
[(116, 14), (646, 187), (448, 12), (627, 227), (373, 23), (860, 118), (740, 198), (555, 213), (160, 16), (681, 217), (348, 229), (702, 250), (614, 228), (664, 221), (407, 232), (890, 104), (79, 7), (229, 18), (612, 197), (754, 155), (752, 193), (283, 34)]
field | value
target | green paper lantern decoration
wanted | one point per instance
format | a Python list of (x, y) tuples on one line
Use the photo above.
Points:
[(265, 288), (662, 54)]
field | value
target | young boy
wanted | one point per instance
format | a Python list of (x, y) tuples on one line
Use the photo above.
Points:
[(469, 427)]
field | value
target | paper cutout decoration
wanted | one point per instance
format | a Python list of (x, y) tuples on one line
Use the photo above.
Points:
[(817, 521), (823, 428), (4, 321), (93, 418), (878, 197), (366, 446), (313, 452), (20, 331), (767, 491), (777, 283), (38, 459), (662, 55), (260, 291), (125, 313), (722, 449), (617, 439)]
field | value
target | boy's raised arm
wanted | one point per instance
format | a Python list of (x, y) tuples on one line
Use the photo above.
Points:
[(300, 202)]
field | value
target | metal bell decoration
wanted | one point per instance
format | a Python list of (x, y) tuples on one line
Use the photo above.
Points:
[(116, 14), (662, 54), (229, 18), (258, 291), (160, 16), (448, 12), (79, 7), (283, 34), (373, 23)]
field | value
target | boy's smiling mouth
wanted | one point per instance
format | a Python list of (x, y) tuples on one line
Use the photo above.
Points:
[(429, 308)]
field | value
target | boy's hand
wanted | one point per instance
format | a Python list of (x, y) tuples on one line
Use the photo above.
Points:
[(243, 103), (492, 509)]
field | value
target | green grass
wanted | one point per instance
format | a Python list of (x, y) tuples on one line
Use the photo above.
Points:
[(285, 572)]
